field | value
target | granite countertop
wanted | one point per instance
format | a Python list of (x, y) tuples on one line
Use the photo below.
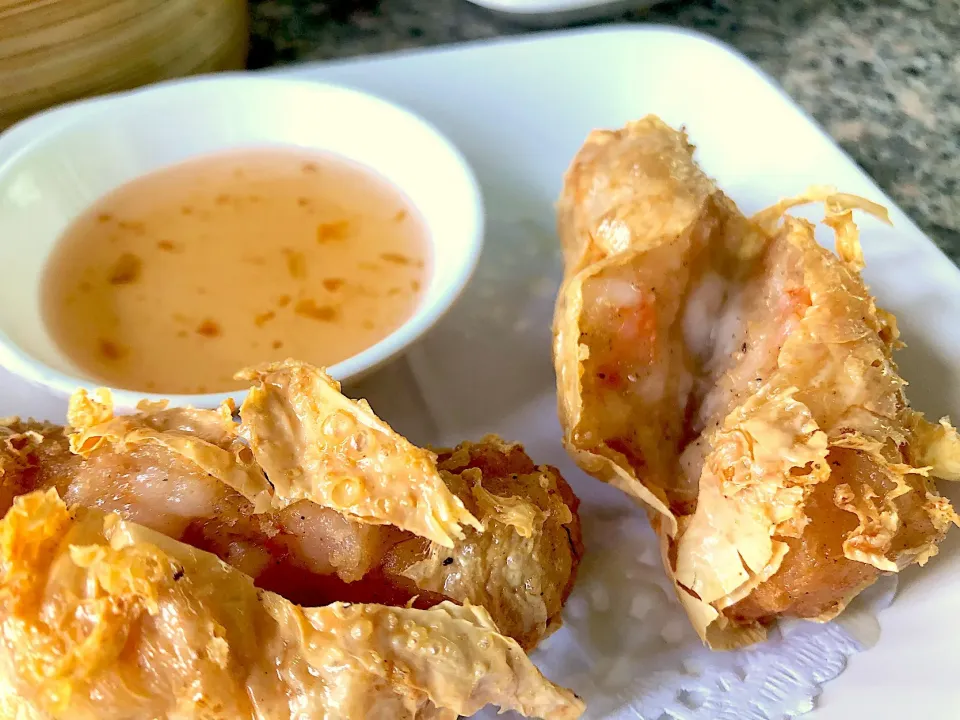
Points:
[(883, 76)]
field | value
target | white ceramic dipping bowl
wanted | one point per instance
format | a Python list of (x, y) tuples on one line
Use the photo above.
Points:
[(55, 165)]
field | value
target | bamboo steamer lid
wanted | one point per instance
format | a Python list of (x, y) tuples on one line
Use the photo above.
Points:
[(53, 51)]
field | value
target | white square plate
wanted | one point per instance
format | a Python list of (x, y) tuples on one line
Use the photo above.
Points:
[(519, 109)]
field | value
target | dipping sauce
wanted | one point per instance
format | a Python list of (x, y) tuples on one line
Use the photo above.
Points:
[(175, 281)]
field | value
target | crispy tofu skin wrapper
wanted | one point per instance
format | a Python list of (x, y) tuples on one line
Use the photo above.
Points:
[(318, 445), (210, 440), (189, 475), (170, 470), (523, 565), (101, 618), (738, 378)]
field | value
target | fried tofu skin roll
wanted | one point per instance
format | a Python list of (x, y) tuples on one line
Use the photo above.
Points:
[(101, 618), (738, 378), (317, 499)]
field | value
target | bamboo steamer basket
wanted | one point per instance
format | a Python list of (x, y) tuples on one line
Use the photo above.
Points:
[(53, 51)]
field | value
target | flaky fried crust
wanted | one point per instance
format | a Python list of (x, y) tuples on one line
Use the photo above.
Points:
[(522, 566), (738, 378), (318, 445), (192, 476), (101, 618), (188, 474)]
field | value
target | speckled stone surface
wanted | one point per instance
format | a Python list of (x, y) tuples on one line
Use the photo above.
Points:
[(882, 76)]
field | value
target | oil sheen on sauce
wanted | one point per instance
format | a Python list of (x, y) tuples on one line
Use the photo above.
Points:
[(182, 277)]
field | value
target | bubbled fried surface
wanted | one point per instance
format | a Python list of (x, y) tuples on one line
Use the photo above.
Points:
[(739, 379), (102, 618), (318, 445), (183, 472), (523, 565)]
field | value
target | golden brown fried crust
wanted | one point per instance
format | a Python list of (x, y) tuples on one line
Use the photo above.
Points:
[(133, 613), (32, 455), (529, 514), (318, 445), (502, 465), (738, 378), (37, 456), (507, 470), (102, 619), (815, 573)]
